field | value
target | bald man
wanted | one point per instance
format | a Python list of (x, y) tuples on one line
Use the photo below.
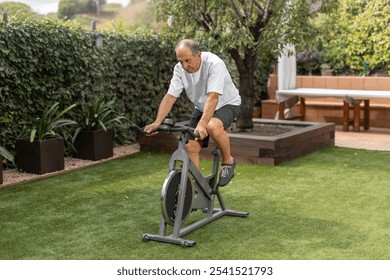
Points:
[(209, 86)]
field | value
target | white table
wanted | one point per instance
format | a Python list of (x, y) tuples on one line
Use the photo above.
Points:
[(349, 97)]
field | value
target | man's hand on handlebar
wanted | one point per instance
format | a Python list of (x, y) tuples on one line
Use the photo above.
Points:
[(169, 126), (201, 130), (151, 129)]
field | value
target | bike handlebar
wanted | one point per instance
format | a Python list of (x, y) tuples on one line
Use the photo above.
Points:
[(167, 128), (181, 128)]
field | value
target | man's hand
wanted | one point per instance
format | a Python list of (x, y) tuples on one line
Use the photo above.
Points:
[(209, 109), (150, 129), (201, 130)]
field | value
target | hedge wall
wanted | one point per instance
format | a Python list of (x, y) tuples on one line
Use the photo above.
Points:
[(45, 61)]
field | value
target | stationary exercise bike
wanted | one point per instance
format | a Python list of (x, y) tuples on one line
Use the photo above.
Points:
[(185, 190)]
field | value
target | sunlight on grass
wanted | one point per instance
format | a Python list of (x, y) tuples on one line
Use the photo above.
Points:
[(332, 204)]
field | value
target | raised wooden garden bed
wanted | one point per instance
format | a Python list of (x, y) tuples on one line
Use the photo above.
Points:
[(271, 143)]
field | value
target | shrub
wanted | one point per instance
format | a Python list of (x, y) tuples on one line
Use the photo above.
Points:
[(45, 61), (357, 32)]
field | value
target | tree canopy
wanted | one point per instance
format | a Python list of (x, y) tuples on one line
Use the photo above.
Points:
[(19, 9), (244, 29), (69, 8), (356, 32)]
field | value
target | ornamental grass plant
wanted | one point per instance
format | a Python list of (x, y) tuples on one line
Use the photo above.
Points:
[(48, 124), (332, 204)]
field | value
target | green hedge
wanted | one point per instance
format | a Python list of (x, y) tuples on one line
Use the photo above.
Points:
[(45, 61)]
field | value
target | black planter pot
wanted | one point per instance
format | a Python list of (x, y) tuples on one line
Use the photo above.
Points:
[(40, 157), (94, 145), (1, 170)]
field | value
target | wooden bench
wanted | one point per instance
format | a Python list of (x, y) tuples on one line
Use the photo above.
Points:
[(350, 97)]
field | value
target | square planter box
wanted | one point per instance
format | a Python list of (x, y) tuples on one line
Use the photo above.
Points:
[(94, 145), (40, 157), (1, 170)]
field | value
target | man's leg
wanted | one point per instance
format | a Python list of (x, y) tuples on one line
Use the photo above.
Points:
[(193, 150), (194, 147), (223, 118), (221, 137), (217, 132)]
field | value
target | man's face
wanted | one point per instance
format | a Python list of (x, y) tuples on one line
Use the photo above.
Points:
[(190, 62)]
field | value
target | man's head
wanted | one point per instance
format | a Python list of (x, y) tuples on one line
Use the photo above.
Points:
[(189, 55)]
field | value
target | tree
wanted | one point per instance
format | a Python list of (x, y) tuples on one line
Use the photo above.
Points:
[(69, 8), (243, 29), (356, 32), (95, 6), (19, 9)]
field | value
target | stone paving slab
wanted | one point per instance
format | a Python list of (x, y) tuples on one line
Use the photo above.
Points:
[(377, 139)]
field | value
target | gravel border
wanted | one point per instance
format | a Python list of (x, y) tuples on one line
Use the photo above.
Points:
[(13, 177)]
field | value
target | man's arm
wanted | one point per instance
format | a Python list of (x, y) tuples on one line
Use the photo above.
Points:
[(209, 109), (163, 110)]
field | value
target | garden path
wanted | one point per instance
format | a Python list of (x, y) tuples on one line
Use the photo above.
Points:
[(373, 139)]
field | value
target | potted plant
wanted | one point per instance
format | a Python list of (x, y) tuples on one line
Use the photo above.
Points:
[(4, 153), (43, 151), (93, 139)]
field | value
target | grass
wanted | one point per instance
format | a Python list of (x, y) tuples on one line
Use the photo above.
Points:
[(332, 204)]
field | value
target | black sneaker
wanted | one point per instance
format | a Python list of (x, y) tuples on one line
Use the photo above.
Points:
[(227, 173)]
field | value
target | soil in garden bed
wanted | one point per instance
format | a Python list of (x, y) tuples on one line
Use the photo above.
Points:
[(266, 129)]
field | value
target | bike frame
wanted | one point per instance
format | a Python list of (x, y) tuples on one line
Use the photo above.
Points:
[(207, 190)]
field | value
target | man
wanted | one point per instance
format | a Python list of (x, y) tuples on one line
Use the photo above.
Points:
[(209, 86)]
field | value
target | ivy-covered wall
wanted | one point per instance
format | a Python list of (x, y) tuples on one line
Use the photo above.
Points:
[(45, 61)]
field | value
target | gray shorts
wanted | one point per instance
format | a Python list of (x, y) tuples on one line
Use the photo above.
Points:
[(227, 114)]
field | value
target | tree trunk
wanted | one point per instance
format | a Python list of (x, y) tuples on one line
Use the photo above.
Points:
[(244, 120), (246, 69), (97, 2)]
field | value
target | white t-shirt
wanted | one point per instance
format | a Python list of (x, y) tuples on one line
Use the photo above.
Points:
[(212, 76)]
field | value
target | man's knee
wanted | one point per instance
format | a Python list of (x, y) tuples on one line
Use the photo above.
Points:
[(214, 125), (193, 147)]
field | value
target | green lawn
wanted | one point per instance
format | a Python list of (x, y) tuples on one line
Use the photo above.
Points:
[(333, 204)]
